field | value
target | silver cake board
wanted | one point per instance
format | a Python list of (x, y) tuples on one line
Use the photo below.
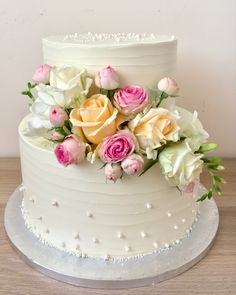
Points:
[(111, 274)]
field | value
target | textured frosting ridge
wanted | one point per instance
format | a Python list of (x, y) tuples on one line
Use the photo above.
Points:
[(74, 209)]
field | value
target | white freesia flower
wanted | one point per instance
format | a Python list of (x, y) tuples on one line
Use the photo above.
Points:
[(68, 88), (180, 165), (48, 97), (73, 82), (192, 128)]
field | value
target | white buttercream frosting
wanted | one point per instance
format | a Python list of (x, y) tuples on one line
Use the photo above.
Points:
[(139, 59), (74, 209)]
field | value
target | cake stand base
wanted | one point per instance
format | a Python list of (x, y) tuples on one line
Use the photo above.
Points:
[(99, 273)]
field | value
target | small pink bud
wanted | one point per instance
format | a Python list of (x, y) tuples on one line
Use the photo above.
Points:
[(133, 164), (113, 171), (169, 86), (58, 117), (56, 136), (70, 151), (42, 74), (107, 78)]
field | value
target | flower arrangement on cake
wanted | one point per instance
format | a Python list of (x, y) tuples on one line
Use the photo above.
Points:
[(127, 128)]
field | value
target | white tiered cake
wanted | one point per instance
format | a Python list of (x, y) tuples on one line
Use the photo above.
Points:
[(73, 208)]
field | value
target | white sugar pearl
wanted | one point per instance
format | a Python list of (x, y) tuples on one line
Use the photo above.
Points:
[(143, 234)]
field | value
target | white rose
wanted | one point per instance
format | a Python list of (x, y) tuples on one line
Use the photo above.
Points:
[(73, 82), (192, 128), (47, 97), (180, 165)]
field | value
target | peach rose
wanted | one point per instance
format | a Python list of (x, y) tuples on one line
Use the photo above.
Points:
[(96, 117), (154, 129)]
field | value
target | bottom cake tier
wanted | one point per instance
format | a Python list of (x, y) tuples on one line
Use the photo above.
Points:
[(75, 210)]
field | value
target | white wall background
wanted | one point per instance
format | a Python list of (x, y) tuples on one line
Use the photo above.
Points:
[(206, 31)]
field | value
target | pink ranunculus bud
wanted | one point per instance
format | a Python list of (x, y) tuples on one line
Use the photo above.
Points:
[(188, 188), (55, 136), (58, 116), (42, 74), (70, 151), (169, 86), (130, 100), (117, 147), (113, 171), (133, 164), (107, 78)]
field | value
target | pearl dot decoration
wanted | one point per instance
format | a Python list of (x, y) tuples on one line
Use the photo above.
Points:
[(177, 241), (176, 227), (120, 235), (89, 214), (167, 245), (169, 214), (107, 257), (76, 236), (149, 206), (127, 249), (118, 37), (22, 188), (95, 240), (143, 234), (183, 220), (155, 245), (55, 203), (32, 199)]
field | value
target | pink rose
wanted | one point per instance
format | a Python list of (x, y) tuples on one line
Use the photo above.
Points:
[(56, 136), (133, 164), (117, 147), (107, 79), (113, 171), (169, 86), (130, 100), (42, 74), (58, 116), (70, 151)]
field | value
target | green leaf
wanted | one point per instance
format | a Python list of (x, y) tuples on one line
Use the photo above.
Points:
[(148, 165), (61, 131), (216, 167), (203, 197), (161, 94), (207, 147), (217, 188), (104, 91), (213, 160), (209, 194), (66, 130), (219, 179)]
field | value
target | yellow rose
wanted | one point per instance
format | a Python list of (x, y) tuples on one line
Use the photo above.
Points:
[(96, 117), (154, 129)]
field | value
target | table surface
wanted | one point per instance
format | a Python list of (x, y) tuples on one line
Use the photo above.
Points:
[(215, 274)]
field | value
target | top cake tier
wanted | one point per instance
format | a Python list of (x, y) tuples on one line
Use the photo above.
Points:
[(139, 59)]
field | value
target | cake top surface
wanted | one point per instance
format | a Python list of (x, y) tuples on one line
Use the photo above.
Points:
[(109, 39)]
